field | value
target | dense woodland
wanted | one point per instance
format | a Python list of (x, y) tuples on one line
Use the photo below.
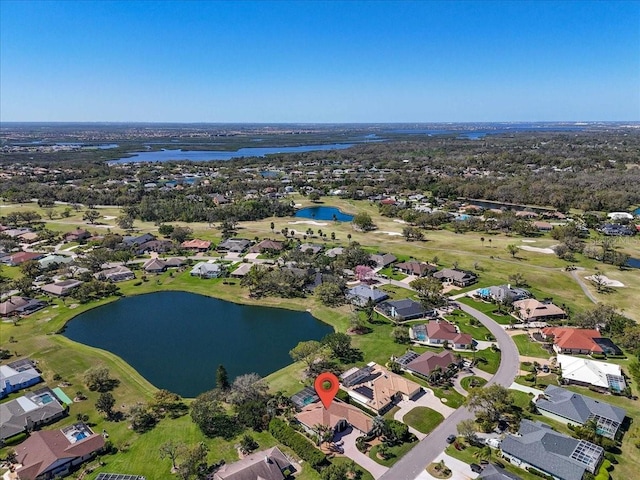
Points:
[(590, 171)]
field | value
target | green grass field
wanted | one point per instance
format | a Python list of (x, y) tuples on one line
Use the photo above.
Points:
[(529, 348), (423, 419)]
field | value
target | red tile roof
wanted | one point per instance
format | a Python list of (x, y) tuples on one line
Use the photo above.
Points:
[(429, 361), (574, 338), (195, 243)]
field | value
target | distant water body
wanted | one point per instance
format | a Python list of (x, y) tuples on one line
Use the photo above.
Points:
[(221, 155)]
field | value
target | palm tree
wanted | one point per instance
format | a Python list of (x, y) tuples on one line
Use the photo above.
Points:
[(482, 241), (325, 433), (484, 453)]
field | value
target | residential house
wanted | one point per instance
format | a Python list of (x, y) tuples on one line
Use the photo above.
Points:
[(54, 260), (579, 340), (269, 464), (403, 310), (383, 259), (17, 375), (542, 226), (334, 252), (339, 416), (362, 294), (490, 472), (116, 274), (376, 388), (61, 289), (540, 447), (130, 241), (157, 246), (423, 365), (439, 332), (29, 412), (76, 236), (154, 265), (418, 269), (207, 270), (532, 310), (503, 293), (459, 278), (616, 230), (310, 248), (242, 270), (234, 245), (526, 214), (196, 245), (602, 376), (572, 408), (50, 454), (268, 245), (21, 257), (15, 232), (20, 306), (27, 237)]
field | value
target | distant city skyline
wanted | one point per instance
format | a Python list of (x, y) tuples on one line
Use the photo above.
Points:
[(319, 62)]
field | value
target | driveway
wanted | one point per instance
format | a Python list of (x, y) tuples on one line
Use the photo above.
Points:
[(525, 389), (457, 386), (459, 470), (350, 451)]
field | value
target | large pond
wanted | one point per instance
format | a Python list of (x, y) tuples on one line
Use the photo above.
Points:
[(210, 155), (633, 262), (176, 340), (324, 213)]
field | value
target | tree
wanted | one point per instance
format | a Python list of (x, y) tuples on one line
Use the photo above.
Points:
[(253, 414), (330, 294), (489, 402), (467, 429), (340, 471), (171, 449), (99, 379), (273, 227), (395, 432), (207, 413), (401, 335), (306, 352), (141, 418), (518, 279), (165, 401), (429, 291), (362, 221), (378, 425), (325, 433), (484, 453), (194, 461), (248, 444), (248, 387), (222, 378), (91, 216), (363, 273), (125, 222), (105, 404), (180, 234), (30, 269), (339, 344), (165, 230), (513, 249), (412, 234), (24, 285)]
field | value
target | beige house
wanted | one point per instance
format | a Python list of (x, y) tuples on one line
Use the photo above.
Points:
[(376, 388), (339, 416), (532, 310)]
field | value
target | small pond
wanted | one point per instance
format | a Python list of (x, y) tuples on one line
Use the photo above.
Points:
[(176, 340), (633, 262), (324, 213)]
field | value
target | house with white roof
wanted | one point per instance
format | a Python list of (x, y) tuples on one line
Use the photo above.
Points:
[(602, 375), (16, 376)]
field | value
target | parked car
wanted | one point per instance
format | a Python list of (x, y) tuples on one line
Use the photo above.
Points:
[(475, 468), (451, 438)]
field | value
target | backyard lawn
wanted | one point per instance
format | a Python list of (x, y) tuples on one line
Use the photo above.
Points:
[(423, 419)]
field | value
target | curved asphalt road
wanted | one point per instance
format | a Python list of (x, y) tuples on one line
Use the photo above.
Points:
[(425, 452)]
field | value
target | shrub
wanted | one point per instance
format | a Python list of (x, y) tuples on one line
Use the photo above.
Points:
[(292, 439)]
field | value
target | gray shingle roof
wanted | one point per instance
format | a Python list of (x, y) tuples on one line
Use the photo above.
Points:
[(577, 407), (547, 450), (492, 473)]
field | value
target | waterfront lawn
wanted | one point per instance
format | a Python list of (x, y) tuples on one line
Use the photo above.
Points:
[(529, 348), (423, 419)]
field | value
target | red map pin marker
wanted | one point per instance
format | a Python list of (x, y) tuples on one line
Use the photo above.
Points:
[(326, 385)]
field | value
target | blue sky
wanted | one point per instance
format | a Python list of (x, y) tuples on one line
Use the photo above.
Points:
[(324, 61)]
